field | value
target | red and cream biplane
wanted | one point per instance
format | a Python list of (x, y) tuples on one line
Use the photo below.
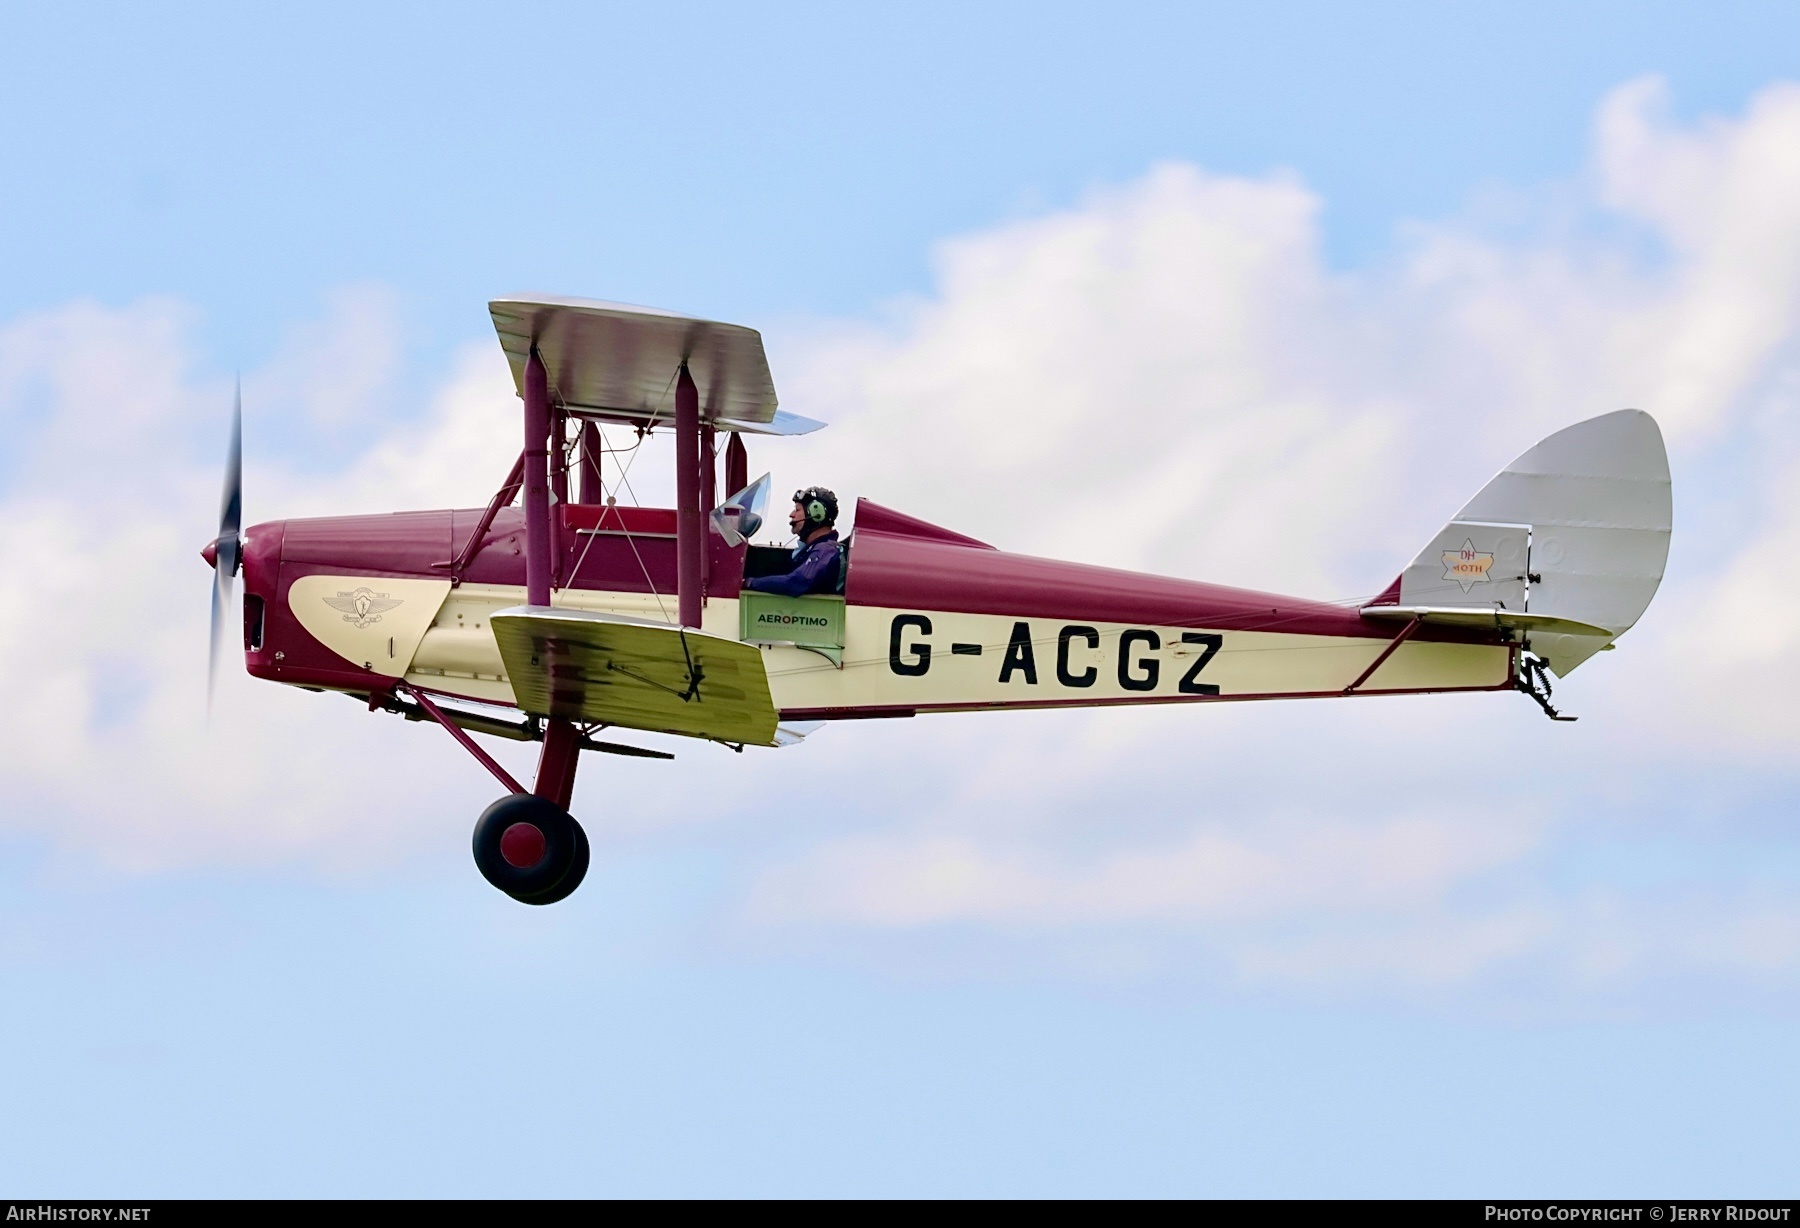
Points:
[(584, 615)]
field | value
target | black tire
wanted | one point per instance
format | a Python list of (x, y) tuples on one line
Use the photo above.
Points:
[(577, 871), (556, 855)]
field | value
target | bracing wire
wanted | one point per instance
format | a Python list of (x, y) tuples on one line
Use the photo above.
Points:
[(625, 482), (563, 452)]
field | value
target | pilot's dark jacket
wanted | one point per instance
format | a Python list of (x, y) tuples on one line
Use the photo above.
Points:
[(814, 568)]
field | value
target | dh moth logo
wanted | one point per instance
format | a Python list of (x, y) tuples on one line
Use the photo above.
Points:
[(362, 606), (1467, 566)]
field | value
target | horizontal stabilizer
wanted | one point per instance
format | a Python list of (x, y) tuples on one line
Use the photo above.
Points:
[(583, 666), (1474, 616)]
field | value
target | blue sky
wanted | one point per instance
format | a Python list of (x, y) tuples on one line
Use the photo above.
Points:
[(1453, 949), (798, 159)]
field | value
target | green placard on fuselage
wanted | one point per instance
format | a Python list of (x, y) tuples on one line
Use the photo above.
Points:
[(806, 622)]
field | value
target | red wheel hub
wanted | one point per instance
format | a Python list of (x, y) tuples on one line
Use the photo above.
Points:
[(522, 845)]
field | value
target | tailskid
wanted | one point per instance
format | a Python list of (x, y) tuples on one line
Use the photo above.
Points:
[(1534, 680)]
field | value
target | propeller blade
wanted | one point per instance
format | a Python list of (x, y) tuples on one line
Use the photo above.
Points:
[(221, 606), (228, 549), (231, 501)]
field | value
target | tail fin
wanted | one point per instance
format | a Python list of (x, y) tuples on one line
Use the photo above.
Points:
[(1566, 545)]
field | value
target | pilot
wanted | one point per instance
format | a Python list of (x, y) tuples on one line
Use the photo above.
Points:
[(817, 563)]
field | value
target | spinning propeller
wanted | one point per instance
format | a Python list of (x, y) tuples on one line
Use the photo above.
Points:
[(225, 553)]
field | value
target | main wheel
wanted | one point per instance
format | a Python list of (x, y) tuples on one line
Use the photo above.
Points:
[(526, 846), (577, 871)]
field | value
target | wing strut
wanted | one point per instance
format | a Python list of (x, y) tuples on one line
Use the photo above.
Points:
[(689, 524), (515, 477), (537, 482), (562, 741)]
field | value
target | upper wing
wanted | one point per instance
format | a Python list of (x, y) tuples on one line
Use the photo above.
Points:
[(617, 360)]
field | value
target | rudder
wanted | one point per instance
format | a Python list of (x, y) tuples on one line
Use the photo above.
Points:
[(1568, 543)]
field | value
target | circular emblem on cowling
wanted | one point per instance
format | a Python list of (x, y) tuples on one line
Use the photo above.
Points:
[(362, 606)]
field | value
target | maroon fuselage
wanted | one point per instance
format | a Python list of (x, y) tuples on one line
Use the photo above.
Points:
[(895, 561)]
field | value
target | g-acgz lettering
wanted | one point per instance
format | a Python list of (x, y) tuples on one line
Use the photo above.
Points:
[(1019, 657), (1064, 675), (1151, 666), (1213, 641), (910, 660)]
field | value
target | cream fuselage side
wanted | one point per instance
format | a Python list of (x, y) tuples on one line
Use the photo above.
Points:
[(906, 660)]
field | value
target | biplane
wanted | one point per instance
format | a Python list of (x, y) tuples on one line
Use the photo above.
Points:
[(557, 614)]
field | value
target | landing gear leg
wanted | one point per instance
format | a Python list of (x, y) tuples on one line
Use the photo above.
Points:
[(528, 845), (556, 764)]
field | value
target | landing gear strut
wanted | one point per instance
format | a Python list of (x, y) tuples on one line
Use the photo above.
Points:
[(526, 844), (529, 845)]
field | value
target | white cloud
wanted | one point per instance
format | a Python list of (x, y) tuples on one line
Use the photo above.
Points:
[(1723, 195), (1146, 380), (334, 372), (1218, 872), (1166, 376), (104, 608), (455, 458)]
